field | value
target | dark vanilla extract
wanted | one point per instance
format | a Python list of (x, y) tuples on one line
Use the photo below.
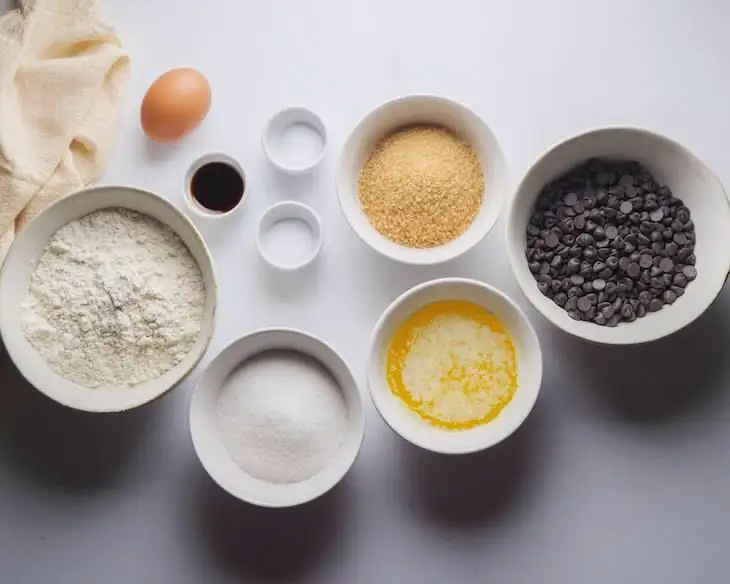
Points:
[(217, 187)]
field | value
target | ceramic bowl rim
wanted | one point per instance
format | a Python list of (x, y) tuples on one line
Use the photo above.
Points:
[(514, 258), (212, 293), (359, 424), (313, 221), (320, 128), (384, 408), (499, 199)]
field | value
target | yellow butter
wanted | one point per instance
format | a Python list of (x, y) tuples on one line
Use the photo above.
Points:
[(454, 364)]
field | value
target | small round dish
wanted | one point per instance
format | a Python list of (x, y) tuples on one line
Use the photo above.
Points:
[(208, 442), (20, 264), (671, 164), (300, 244), (406, 111), (295, 140), (211, 158), (409, 425)]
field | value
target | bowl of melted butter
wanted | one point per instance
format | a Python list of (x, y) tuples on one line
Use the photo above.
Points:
[(454, 366)]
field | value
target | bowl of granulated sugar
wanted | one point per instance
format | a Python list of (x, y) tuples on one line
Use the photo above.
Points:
[(277, 418), (421, 179)]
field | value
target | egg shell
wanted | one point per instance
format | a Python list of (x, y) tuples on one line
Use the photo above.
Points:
[(175, 104)]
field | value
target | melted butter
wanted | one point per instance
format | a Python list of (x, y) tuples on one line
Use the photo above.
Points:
[(454, 364)]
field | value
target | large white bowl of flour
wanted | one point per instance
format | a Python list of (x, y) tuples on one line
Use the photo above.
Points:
[(107, 299)]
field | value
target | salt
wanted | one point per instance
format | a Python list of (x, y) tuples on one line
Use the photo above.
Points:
[(289, 242), (297, 144), (282, 416)]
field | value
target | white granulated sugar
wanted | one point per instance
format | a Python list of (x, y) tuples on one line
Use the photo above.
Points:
[(282, 416), (116, 299)]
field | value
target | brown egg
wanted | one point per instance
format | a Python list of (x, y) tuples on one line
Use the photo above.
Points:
[(175, 104)]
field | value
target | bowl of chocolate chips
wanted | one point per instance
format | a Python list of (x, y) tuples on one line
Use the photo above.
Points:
[(615, 236)]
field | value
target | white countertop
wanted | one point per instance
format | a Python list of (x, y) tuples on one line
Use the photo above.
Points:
[(621, 473)]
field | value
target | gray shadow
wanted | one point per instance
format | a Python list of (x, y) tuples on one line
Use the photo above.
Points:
[(217, 231), (57, 447), (394, 278), (470, 491), (297, 187), (268, 545), (659, 382), (290, 284), (157, 151)]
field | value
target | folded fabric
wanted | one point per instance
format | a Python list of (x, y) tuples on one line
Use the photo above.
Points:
[(62, 72)]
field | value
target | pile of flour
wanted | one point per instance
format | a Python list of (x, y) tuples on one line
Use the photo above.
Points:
[(116, 299)]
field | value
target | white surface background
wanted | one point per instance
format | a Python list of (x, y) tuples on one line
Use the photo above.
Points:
[(622, 472)]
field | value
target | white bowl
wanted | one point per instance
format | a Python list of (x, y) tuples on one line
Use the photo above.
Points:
[(198, 209), (285, 211), (20, 264), (672, 165), (407, 423), (276, 142), (421, 109), (208, 442)]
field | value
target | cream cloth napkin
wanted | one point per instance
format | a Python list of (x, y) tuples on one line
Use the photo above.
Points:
[(62, 72)]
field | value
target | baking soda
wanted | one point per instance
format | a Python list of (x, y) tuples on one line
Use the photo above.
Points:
[(298, 145), (282, 416), (289, 242)]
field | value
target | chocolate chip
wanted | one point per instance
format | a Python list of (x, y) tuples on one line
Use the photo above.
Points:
[(633, 270), (645, 260), (552, 240), (628, 243), (626, 207), (669, 297), (680, 279), (611, 232), (584, 240), (626, 180), (584, 305), (690, 272), (683, 214)]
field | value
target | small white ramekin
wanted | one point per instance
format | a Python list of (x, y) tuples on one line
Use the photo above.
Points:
[(195, 207), (289, 210), (276, 127)]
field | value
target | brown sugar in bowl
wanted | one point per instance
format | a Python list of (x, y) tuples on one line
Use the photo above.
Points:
[(421, 110)]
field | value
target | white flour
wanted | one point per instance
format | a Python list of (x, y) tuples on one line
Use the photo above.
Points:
[(116, 299), (282, 416)]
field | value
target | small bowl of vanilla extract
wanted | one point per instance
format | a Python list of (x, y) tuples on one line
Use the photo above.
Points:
[(215, 185)]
